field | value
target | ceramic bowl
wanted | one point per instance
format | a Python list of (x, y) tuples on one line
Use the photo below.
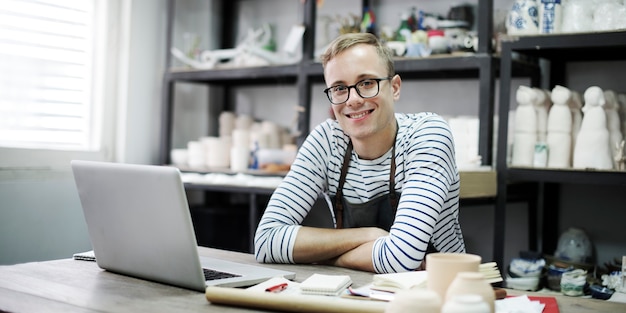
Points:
[(523, 283), (554, 276), (600, 292)]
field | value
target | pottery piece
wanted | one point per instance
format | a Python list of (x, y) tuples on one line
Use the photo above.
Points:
[(179, 157), (554, 274), (613, 123), (572, 282), (560, 129), (469, 303), (442, 268), (415, 300), (523, 19), (592, 148), (600, 292), (523, 283), (576, 105), (525, 133), (574, 245), (577, 16), (550, 16), (472, 283)]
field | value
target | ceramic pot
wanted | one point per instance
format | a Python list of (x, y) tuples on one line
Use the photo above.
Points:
[(470, 303), (466, 283), (523, 19), (442, 268)]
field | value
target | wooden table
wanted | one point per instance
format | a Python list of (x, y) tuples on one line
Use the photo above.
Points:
[(68, 285)]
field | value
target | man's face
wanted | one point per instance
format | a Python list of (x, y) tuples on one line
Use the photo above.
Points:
[(362, 119)]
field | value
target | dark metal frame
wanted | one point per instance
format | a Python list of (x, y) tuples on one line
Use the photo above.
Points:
[(483, 66), (543, 197)]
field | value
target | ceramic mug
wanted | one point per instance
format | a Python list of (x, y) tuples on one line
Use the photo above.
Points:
[(443, 267)]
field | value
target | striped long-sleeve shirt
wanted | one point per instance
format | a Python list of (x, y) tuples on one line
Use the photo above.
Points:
[(426, 176)]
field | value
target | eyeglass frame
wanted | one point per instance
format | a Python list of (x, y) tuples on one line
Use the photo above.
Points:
[(377, 80)]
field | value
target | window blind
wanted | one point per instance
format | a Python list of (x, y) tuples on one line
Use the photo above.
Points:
[(46, 74)]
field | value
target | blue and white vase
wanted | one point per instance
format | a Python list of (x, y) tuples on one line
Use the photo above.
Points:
[(550, 16), (523, 19)]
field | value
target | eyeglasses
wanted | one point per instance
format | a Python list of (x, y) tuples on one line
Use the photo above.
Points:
[(367, 88)]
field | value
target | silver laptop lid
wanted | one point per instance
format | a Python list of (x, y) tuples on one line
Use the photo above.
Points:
[(138, 221)]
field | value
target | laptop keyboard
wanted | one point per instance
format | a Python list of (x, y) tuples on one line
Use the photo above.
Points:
[(213, 274)]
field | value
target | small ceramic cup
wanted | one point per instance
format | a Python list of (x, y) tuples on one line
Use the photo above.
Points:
[(442, 268)]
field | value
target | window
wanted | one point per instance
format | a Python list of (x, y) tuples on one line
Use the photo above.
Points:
[(52, 56)]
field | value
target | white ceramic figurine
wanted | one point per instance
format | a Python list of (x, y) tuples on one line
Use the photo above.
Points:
[(593, 149), (560, 129)]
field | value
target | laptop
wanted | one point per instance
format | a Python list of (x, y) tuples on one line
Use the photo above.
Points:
[(139, 225)]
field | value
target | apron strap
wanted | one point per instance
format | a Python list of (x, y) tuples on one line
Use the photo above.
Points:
[(342, 180), (393, 197)]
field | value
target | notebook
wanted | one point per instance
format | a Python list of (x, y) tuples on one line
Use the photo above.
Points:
[(394, 282), (139, 225), (323, 284)]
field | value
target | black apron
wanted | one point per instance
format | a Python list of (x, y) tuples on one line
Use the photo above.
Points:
[(379, 212)]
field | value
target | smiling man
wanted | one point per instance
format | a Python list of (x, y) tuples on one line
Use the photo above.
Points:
[(391, 177)]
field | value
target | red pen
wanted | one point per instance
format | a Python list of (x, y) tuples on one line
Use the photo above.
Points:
[(277, 288)]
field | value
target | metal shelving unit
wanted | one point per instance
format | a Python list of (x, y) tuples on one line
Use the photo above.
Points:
[(482, 65), (557, 50)]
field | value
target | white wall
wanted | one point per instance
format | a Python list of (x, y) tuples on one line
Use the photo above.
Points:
[(40, 213)]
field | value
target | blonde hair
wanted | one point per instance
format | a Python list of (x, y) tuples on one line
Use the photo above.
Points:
[(349, 40)]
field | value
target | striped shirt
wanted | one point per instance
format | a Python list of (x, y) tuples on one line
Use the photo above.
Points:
[(426, 176)]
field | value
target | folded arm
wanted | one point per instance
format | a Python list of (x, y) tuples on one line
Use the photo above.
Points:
[(350, 247)]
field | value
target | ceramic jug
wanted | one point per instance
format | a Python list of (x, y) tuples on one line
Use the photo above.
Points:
[(467, 283)]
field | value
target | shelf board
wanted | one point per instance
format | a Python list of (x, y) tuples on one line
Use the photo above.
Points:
[(571, 47), (444, 66), (429, 67), (227, 171), (474, 184), (478, 184), (594, 177), (434, 67), (242, 75), (230, 188)]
